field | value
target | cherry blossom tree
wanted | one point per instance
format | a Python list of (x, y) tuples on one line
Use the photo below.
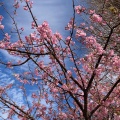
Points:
[(86, 89)]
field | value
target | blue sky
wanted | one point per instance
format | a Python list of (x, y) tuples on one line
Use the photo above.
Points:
[(56, 12)]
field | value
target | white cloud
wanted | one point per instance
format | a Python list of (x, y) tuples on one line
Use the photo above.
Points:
[(5, 79), (15, 94)]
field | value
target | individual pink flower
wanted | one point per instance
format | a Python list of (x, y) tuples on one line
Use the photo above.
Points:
[(58, 36), (69, 73), (62, 116), (9, 64), (27, 0), (96, 18), (41, 64), (90, 40), (55, 90), (91, 27), (31, 4), (34, 95), (70, 24), (25, 81), (82, 24), (28, 40), (7, 37), (33, 25), (116, 61), (1, 26), (91, 11), (68, 39), (98, 71), (99, 49), (111, 53), (10, 113), (1, 17), (103, 22), (36, 72), (101, 34), (65, 87), (16, 75), (79, 9), (32, 36), (54, 40), (42, 49), (25, 8), (80, 33)]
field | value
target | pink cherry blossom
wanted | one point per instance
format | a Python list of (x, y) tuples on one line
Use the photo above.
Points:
[(9, 64), (34, 95), (69, 73), (68, 40), (80, 33), (70, 24), (27, 0), (96, 18), (7, 36), (25, 8), (33, 25), (1, 26), (54, 90), (1, 17), (79, 9), (91, 11), (65, 87)]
